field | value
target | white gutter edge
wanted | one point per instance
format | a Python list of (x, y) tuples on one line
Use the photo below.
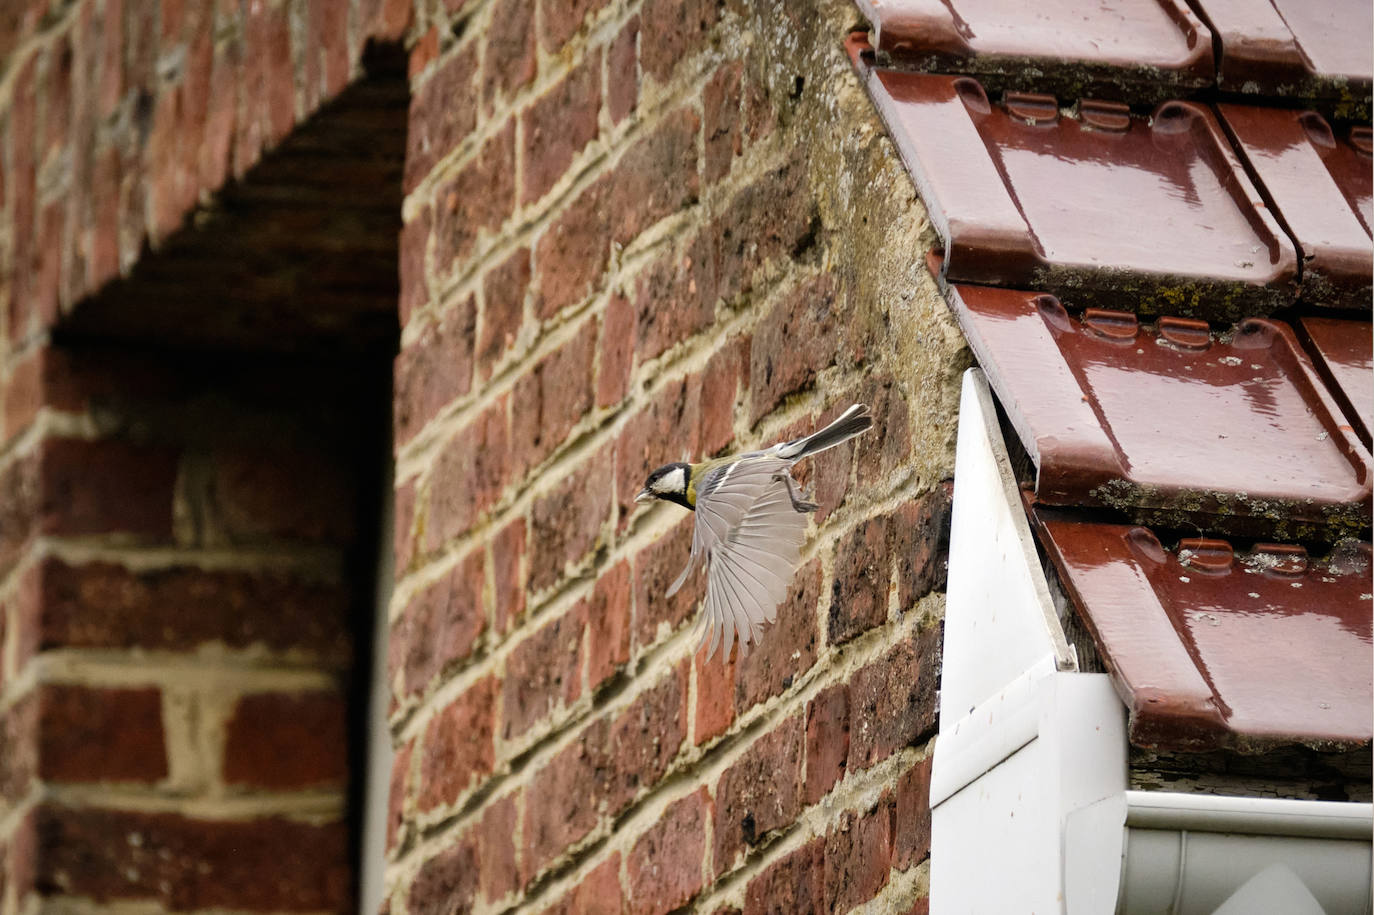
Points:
[(1249, 815)]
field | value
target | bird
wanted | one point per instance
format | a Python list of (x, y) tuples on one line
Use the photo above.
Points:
[(749, 528)]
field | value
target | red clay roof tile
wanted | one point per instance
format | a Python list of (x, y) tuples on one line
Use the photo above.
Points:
[(1227, 430), (1023, 195), (1139, 48), (1211, 647), (1343, 352), (1295, 48), (1319, 185)]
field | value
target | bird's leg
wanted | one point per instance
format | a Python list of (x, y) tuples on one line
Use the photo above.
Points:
[(798, 503)]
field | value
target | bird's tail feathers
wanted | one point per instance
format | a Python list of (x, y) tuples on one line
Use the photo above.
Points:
[(854, 421)]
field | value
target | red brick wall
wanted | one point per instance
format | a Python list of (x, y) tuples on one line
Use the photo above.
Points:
[(636, 231), (179, 609), (180, 533)]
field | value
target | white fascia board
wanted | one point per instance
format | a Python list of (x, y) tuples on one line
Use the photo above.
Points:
[(999, 619)]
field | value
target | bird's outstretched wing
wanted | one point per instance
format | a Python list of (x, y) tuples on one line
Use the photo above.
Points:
[(750, 532)]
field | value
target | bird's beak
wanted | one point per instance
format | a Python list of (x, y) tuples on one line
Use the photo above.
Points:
[(644, 496)]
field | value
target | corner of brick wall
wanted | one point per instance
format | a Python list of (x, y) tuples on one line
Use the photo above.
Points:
[(176, 608), (636, 231)]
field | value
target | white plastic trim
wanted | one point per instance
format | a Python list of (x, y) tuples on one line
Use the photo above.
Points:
[(1030, 777), (1262, 816)]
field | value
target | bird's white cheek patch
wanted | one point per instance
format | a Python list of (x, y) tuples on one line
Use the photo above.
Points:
[(672, 481)]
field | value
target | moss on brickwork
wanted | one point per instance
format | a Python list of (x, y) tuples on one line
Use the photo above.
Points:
[(734, 229)]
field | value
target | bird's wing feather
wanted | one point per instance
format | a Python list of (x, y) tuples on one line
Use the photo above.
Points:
[(752, 534)]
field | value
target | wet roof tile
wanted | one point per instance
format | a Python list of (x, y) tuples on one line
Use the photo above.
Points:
[(1344, 354), (1296, 48), (1320, 186), (1088, 206), (1227, 430), (1141, 49), (1211, 647)]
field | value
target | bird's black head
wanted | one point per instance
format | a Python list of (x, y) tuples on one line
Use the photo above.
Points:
[(668, 483)]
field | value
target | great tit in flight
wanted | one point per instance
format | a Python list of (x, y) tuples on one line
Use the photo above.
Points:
[(750, 525)]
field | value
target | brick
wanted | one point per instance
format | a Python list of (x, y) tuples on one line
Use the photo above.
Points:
[(563, 19), (790, 885), (100, 605), (50, 245), (771, 218), (288, 493), (457, 749), (387, 20), (675, 298), (403, 536), (657, 175), (665, 863), (919, 535), (552, 398), (911, 825), (892, 700), (20, 762), (446, 884), (858, 595), (413, 244), (468, 477), (886, 448), (559, 125), (508, 574), (827, 740), (89, 734), (440, 626), (20, 498), (503, 309), (442, 112), (564, 798), (759, 793), (286, 741), (825, 476), (719, 392), (599, 892), (793, 343), (184, 863), (22, 190), (478, 199), (396, 814), (510, 55), (720, 105), (572, 253), (664, 431), (645, 738), (715, 705), (495, 836), (608, 624), (108, 486), (919, 907), (543, 673), (566, 521), (674, 30), (214, 157), (24, 392), (858, 856), (656, 567), (422, 55), (788, 648), (435, 369), (617, 351), (622, 72)]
